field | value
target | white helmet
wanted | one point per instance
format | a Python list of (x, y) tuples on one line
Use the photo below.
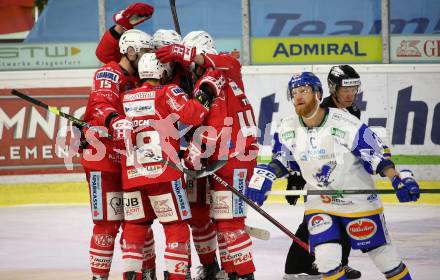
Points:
[(165, 37), (136, 39), (205, 50), (150, 67), (198, 39)]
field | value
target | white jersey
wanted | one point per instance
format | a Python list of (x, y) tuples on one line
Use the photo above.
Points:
[(340, 154)]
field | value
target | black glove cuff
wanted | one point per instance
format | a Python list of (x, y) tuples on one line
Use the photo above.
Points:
[(109, 118), (114, 34), (204, 98)]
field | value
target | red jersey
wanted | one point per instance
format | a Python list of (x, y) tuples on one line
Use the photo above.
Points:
[(108, 48), (154, 111), (109, 81), (232, 116)]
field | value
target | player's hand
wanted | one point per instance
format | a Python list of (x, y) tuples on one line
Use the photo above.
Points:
[(209, 87), (294, 182), (213, 81), (260, 183), (120, 129), (133, 15), (406, 186), (176, 53)]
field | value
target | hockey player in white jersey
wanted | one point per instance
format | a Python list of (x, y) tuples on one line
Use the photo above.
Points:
[(335, 150)]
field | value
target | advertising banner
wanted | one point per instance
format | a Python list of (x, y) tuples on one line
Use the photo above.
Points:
[(415, 48), (283, 18), (331, 49), (34, 140), (47, 56)]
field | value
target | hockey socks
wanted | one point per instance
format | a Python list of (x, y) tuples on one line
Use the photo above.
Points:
[(149, 262), (102, 245), (399, 273), (177, 250), (235, 247), (205, 242)]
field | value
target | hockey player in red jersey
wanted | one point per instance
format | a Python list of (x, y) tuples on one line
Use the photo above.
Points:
[(150, 185), (100, 162), (233, 120)]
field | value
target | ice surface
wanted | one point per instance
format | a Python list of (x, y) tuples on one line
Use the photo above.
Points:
[(51, 242)]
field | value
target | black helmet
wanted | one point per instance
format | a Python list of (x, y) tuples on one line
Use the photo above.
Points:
[(342, 76)]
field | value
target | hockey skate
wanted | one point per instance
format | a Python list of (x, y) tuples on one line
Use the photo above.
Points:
[(149, 274), (234, 276), (351, 273), (311, 274), (166, 275), (208, 272), (222, 275), (132, 275)]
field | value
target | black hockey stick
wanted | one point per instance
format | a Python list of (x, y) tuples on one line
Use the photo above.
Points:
[(57, 112), (257, 208), (175, 18), (197, 174), (346, 192)]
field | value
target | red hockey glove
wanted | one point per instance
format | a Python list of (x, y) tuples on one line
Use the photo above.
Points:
[(209, 87), (212, 81), (176, 53), (120, 129), (133, 15)]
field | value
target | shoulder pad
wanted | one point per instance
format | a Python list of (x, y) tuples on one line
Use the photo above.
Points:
[(343, 117)]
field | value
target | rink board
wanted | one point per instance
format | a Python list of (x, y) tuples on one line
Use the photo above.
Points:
[(77, 192)]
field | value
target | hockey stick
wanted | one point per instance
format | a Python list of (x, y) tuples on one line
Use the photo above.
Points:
[(257, 208), (57, 112), (197, 174), (258, 233), (342, 192), (175, 18)]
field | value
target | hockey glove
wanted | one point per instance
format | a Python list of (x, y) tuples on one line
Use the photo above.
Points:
[(79, 132), (406, 186), (294, 182), (133, 15), (120, 129), (212, 81), (176, 53), (260, 183), (209, 87)]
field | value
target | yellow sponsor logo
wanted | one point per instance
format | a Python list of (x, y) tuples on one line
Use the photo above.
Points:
[(329, 49)]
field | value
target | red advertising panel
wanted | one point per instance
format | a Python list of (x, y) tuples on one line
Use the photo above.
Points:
[(35, 141)]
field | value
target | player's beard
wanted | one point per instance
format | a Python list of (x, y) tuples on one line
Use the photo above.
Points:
[(305, 110)]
